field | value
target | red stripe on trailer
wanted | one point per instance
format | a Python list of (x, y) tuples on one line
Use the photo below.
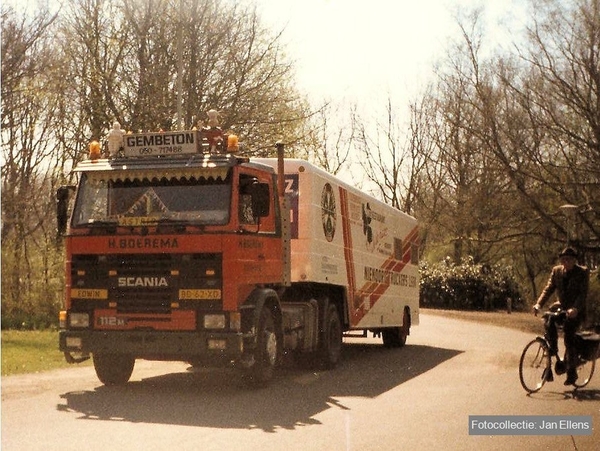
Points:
[(374, 290), (348, 254)]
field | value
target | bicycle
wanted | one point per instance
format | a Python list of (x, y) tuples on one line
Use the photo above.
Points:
[(535, 366)]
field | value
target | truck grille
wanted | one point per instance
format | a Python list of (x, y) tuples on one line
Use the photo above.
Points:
[(149, 283), (144, 283)]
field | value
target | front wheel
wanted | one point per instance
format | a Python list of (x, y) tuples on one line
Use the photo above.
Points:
[(113, 369), (534, 366), (266, 353)]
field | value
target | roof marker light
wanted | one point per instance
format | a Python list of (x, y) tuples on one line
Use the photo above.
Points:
[(94, 151), (232, 143)]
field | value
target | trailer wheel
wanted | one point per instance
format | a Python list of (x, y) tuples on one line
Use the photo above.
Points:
[(395, 337), (331, 347), (266, 352), (113, 369)]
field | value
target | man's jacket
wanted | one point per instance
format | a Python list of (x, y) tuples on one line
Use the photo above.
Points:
[(571, 288)]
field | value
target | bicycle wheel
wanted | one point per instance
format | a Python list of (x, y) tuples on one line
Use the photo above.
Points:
[(585, 371), (534, 365)]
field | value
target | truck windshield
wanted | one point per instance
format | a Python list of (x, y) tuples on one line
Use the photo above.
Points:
[(141, 202)]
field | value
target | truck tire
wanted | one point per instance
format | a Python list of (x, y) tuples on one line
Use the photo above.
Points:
[(113, 369), (331, 346), (392, 337), (267, 350), (395, 337)]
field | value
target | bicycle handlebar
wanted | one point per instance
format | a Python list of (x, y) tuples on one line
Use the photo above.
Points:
[(557, 314)]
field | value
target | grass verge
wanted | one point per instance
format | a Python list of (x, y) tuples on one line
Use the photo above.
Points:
[(30, 352)]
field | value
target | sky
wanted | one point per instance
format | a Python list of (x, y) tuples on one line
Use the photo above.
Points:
[(362, 53), (360, 50)]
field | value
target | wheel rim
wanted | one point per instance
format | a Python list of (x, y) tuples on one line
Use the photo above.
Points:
[(271, 347), (335, 342), (585, 372)]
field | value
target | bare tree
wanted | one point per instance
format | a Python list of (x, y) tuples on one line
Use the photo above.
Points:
[(330, 138), (130, 57), (94, 43), (563, 98), (389, 156), (28, 107)]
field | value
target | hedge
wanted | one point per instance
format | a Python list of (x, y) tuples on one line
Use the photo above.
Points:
[(469, 286)]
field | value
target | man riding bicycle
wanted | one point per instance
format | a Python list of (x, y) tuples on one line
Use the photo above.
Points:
[(570, 282)]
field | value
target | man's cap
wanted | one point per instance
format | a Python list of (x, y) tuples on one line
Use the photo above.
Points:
[(568, 252)]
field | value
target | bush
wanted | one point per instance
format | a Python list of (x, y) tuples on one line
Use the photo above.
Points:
[(32, 289), (468, 286)]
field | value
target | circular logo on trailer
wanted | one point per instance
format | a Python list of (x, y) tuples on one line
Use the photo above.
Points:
[(328, 213)]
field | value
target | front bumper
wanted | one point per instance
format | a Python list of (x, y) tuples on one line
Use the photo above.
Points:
[(155, 345)]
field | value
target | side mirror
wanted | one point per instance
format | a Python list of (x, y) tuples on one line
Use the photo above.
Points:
[(63, 196), (261, 200)]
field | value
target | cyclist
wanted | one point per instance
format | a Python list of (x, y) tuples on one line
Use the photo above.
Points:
[(570, 282)]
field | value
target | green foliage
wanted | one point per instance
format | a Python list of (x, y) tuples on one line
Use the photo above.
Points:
[(468, 286), (30, 352), (32, 288)]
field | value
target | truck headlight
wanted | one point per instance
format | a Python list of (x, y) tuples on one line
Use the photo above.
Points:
[(214, 321), (79, 320)]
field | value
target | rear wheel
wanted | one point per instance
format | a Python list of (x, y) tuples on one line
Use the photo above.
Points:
[(395, 337), (113, 369), (534, 366), (331, 346), (585, 371), (392, 337)]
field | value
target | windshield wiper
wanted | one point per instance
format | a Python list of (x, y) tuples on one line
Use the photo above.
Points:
[(177, 222), (170, 221), (102, 226)]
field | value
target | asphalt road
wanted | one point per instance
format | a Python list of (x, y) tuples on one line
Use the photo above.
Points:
[(416, 398)]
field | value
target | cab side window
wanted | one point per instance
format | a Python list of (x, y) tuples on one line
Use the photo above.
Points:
[(246, 211)]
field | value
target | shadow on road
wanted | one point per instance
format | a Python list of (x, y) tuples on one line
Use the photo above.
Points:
[(580, 394), (583, 394), (217, 398)]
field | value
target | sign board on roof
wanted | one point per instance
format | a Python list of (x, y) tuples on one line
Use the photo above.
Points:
[(164, 143)]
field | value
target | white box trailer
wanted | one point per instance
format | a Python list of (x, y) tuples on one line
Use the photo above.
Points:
[(347, 238)]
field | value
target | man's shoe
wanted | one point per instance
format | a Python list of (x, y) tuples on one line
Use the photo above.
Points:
[(560, 367), (571, 378)]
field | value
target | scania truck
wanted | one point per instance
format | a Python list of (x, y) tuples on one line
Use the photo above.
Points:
[(180, 249)]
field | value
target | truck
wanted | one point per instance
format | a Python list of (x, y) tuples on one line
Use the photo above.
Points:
[(180, 249)]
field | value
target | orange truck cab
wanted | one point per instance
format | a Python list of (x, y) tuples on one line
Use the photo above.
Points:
[(177, 249)]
